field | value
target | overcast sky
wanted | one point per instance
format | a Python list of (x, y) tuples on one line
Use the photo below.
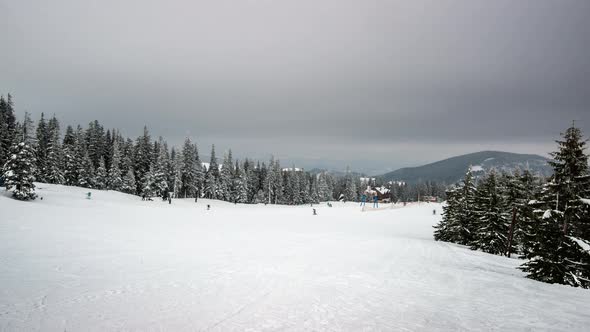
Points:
[(373, 84)]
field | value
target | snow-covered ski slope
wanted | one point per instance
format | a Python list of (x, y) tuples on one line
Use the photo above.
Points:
[(115, 263)]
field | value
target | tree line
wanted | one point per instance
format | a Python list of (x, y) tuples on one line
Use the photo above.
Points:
[(96, 158), (545, 221)]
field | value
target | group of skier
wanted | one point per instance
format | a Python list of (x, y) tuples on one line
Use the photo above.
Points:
[(375, 199)]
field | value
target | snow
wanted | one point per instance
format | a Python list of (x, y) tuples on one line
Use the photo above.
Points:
[(383, 190), (583, 244), (290, 169), (585, 200), (115, 262), (476, 168), (206, 166)]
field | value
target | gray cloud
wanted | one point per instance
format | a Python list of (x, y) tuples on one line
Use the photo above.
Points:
[(373, 84)]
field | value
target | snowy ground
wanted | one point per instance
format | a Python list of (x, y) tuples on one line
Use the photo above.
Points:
[(117, 263)]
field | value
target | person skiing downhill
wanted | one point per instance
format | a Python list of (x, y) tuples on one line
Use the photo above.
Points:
[(363, 199), (375, 201)]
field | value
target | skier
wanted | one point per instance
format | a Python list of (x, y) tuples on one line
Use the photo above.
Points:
[(208, 207), (375, 201), (169, 200), (363, 199), (434, 212), (314, 212)]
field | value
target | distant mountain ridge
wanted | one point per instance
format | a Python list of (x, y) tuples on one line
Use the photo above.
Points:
[(453, 169)]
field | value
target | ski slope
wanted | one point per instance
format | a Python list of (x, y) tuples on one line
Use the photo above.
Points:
[(116, 263)]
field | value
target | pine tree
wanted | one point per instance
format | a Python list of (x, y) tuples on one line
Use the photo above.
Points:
[(7, 128), (271, 179), (160, 169), (524, 186), (100, 176), (19, 171), (95, 142), (188, 178), (559, 254), (324, 191), (240, 185), (85, 172), (129, 186), (288, 187), (199, 173), (177, 185), (466, 217), (70, 161), (492, 217), (211, 186), (142, 157), (225, 178), (115, 181), (148, 187), (253, 175), (108, 149), (41, 149), (449, 229), (314, 194), (350, 189), (26, 131), (55, 157)]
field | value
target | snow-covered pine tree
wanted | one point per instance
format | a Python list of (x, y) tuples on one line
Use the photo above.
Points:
[(187, 171), (26, 131), (350, 189), (466, 217), (108, 149), (240, 185), (324, 190), (273, 182), (288, 187), (314, 194), (19, 171), (252, 174), (142, 157), (278, 184), (449, 229), (54, 171), (559, 254), (70, 146), (114, 179), (303, 180), (159, 176), (211, 184), (7, 128), (100, 176), (524, 188), (41, 149), (492, 217), (199, 173), (177, 183), (171, 170), (148, 187), (85, 172), (95, 142), (129, 186), (225, 178)]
